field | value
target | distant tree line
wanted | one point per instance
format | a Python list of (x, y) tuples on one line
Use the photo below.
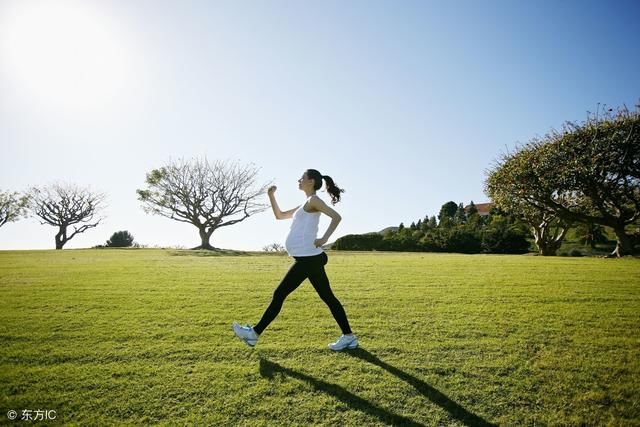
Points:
[(456, 229)]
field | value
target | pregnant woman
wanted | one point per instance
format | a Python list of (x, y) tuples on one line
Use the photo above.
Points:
[(303, 245)]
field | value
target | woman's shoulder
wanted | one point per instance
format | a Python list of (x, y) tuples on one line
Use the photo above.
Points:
[(312, 203), (316, 204), (315, 200)]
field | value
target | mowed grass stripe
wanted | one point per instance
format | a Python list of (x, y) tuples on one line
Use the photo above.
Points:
[(144, 336)]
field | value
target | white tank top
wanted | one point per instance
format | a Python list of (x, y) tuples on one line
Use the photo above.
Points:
[(303, 232)]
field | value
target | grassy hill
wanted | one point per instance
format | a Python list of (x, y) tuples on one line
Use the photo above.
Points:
[(144, 336)]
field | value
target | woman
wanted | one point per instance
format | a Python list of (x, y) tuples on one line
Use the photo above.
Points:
[(310, 259)]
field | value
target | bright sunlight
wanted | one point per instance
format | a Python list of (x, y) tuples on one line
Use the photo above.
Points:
[(62, 55)]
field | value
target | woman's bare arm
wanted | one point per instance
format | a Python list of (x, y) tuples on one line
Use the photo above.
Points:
[(317, 204), (274, 205)]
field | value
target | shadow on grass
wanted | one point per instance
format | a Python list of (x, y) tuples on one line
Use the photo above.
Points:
[(269, 369), (454, 409)]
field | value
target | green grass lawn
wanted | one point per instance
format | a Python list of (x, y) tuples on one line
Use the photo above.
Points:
[(144, 336)]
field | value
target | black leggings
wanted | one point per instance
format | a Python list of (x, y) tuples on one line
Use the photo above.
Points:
[(311, 267)]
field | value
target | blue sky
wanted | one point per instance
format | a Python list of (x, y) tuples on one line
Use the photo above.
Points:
[(406, 104)]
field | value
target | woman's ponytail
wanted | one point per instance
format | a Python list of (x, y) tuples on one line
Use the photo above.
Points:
[(332, 188)]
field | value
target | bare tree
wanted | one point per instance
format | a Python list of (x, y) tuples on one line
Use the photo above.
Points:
[(207, 195), (12, 206), (64, 205), (273, 247)]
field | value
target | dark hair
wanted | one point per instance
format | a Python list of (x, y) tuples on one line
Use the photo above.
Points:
[(332, 188)]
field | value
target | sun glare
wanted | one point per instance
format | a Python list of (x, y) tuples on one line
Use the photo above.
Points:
[(62, 54)]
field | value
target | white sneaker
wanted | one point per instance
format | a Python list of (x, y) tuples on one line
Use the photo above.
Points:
[(345, 341), (246, 334)]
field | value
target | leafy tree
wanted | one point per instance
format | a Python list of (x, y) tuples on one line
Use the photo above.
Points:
[(588, 172), (425, 223), (460, 216), (388, 233), (359, 242), (474, 220), (473, 210), (447, 214), (206, 195), (460, 239), (516, 185), (391, 243), (601, 167), (503, 237), (405, 242), (120, 239), (65, 205), (12, 206)]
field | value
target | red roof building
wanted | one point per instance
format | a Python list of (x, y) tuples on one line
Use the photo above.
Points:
[(483, 208)]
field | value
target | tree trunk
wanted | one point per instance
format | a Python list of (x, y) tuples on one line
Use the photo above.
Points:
[(547, 248), (205, 236), (539, 236), (624, 245), (548, 244), (61, 237)]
